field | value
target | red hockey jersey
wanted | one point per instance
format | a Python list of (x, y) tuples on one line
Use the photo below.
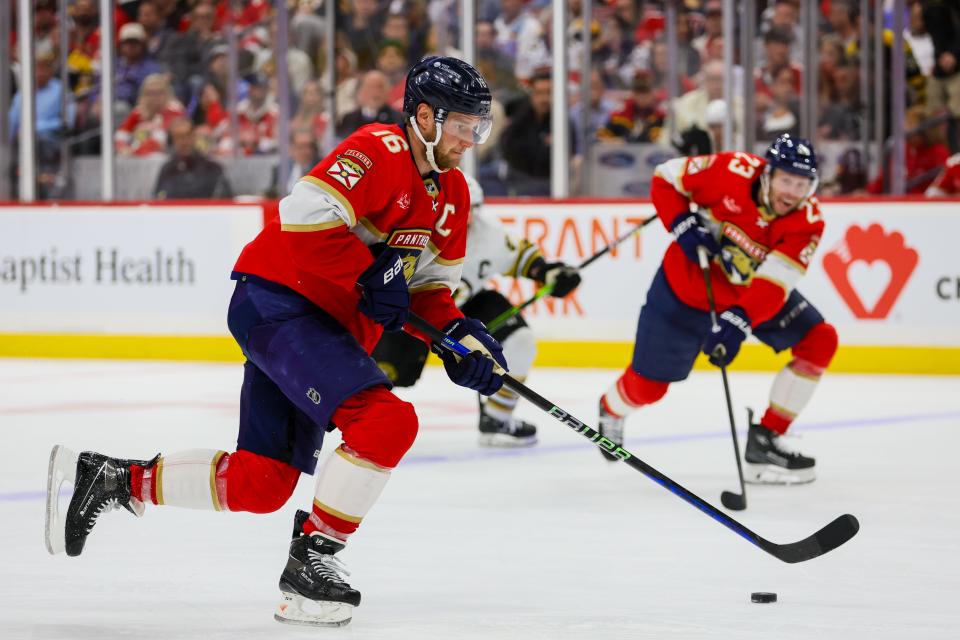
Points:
[(368, 190), (763, 255)]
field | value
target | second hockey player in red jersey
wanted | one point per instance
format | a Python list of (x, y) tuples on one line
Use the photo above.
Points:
[(759, 220)]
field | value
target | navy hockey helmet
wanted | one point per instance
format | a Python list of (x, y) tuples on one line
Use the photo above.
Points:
[(794, 155), (446, 84)]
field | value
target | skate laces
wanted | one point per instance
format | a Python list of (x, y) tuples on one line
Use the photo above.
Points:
[(110, 504), (611, 427), (786, 445), (327, 566)]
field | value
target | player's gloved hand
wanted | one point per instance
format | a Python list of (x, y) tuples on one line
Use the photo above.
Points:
[(483, 368), (690, 232), (723, 342), (384, 297), (561, 276)]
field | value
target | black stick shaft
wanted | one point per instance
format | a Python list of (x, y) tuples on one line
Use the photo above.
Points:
[(705, 268), (826, 539)]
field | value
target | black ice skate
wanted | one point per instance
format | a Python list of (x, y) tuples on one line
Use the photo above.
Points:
[(771, 460), (506, 433), (611, 428), (101, 483), (312, 584)]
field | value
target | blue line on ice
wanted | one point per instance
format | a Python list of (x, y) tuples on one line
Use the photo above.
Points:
[(539, 450)]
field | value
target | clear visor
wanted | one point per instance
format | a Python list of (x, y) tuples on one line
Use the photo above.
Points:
[(470, 129)]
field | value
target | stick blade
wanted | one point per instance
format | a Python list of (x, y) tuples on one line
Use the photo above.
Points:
[(733, 501), (826, 539)]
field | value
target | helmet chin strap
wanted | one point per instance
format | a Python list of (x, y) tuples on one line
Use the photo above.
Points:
[(429, 145)]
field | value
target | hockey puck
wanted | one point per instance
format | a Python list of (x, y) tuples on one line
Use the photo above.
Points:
[(763, 597)]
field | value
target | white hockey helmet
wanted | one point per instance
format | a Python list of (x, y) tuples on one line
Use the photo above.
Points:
[(476, 191)]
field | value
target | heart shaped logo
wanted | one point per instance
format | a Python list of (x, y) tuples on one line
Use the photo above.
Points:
[(869, 269)]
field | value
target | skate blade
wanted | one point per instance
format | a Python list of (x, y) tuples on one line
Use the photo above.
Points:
[(754, 473), (502, 440), (62, 468), (295, 609)]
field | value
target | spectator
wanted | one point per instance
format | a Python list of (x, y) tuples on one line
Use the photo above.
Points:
[(304, 156), (48, 98), (392, 62), (347, 81), (257, 116), (133, 63), (916, 81), (943, 22), (526, 140), (186, 53), (397, 27), (640, 119), (712, 27), (842, 118), (172, 12), (690, 110), (781, 113), (519, 37), (188, 174), (50, 125), (45, 32), (311, 114), (299, 65), (362, 27), (776, 45), (307, 28), (144, 132), (599, 109), (919, 39), (926, 154), (158, 35), (84, 47), (844, 19), (784, 15), (372, 93), (830, 58), (495, 65)]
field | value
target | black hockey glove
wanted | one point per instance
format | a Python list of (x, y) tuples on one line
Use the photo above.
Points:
[(723, 342), (384, 297), (482, 369), (560, 275), (690, 232)]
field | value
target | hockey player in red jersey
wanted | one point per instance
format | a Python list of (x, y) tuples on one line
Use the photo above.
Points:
[(759, 220), (375, 230)]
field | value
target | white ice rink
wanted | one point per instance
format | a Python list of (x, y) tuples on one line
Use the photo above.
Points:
[(548, 542)]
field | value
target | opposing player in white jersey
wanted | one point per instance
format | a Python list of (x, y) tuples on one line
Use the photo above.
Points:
[(491, 251)]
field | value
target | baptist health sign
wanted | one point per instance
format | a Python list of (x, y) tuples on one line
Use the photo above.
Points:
[(144, 270)]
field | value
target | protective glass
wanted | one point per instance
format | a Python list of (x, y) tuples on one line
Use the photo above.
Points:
[(472, 129)]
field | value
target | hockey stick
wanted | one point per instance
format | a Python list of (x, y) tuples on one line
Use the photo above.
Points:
[(826, 539), (546, 289), (731, 500)]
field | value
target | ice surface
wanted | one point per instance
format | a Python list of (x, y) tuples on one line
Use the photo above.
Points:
[(549, 542)]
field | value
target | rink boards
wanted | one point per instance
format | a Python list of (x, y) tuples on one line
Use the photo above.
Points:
[(152, 281)]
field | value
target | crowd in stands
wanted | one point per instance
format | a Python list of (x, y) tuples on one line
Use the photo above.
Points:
[(172, 77)]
